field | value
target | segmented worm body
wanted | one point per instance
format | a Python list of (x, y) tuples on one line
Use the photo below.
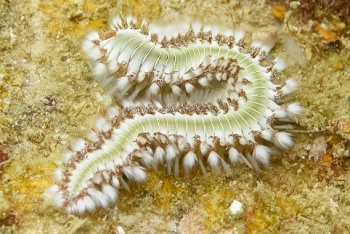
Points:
[(186, 96)]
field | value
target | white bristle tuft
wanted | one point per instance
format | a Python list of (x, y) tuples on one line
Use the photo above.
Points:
[(92, 136), (215, 30), (101, 166), (279, 64), (267, 134), (79, 145), (113, 112), (122, 83), (243, 141), (290, 86), (100, 69), (188, 75), (149, 149), (110, 166), (89, 203), (154, 88), (294, 109), (206, 61), (93, 53), (229, 33), (176, 90), (110, 192), (106, 45), (147, 159), (118, 162), (213, 159), (283, 139), (182, 143), (113, 66), (183, 28), (141, 77), (189, 88), (102, 125), (159, 154), (130, 20), (106, 174), (171, 152), (117, 21), (257, 44), (144, 23), (88, 45), (139, 174), (199, 71), (189, 161), (203, 82), (196, 26), (135, 173), (207, 28), (67, 156), (59, 201), (218, 76), (70, 208), (224, 76), (93, 36), (54, 188), (261, 153), (57, 175), (156, 29), (204, 148), (280, 113), (252, 161), (100, 198), (239, 35), (168, 78), (233, 155), (115, 182), (80, 207), (267, 47)]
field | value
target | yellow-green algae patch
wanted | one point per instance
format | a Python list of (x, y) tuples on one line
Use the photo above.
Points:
[(25, 183)]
